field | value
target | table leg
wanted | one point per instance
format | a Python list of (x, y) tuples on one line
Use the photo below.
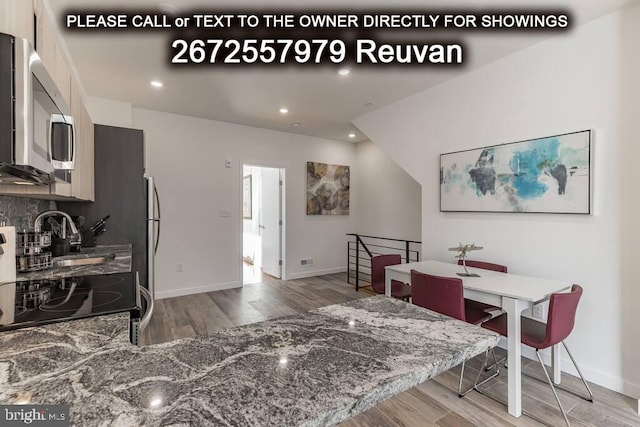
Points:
[(555, 364), (514, 309), (387, 283)]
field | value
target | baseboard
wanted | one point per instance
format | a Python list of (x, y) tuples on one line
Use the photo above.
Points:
[(595, 376), (305, 274), (197, 290)]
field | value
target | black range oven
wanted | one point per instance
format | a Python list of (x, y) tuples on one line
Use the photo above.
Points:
[(37, 302)]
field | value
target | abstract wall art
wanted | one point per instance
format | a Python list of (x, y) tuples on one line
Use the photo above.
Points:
[(544, 175), (327, 189)]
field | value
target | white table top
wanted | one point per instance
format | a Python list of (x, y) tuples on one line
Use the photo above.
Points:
[(509, 285)]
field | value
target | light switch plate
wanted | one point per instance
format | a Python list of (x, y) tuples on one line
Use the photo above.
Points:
[(225, 213)]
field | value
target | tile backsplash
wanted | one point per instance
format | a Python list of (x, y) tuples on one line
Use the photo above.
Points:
[(21, 212)]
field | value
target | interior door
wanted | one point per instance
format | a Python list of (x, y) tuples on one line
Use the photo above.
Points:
[(270, 221)]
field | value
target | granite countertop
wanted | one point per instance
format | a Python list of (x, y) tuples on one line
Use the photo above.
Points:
[(311, 369), (121, 264)]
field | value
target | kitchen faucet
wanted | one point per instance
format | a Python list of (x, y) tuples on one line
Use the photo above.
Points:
[(75, 239)]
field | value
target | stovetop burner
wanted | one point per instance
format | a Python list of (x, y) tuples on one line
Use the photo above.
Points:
[(44, 301), (61, 304), (108, 281)]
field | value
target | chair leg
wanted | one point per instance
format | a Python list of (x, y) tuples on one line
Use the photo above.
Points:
[(476, 384), (590, 399), (553, 389), (460, 393), (490, 367)]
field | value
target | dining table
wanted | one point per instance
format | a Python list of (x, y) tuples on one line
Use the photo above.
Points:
[(514, 293)]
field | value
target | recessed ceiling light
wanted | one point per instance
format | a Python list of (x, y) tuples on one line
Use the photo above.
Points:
[(295, 125), (156, 83), (352, 135), (284, 110), (344, 71)]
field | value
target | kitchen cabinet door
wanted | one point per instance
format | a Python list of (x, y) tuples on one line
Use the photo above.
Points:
[(50, 50), (16, 18), (82, 177)]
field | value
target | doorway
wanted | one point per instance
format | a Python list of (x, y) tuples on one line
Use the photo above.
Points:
[(262, 223)]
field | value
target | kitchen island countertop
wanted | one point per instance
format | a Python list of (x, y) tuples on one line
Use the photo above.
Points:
[(313, 369)]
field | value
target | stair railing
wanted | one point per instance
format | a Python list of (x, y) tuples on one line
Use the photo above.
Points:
[(361, 248)]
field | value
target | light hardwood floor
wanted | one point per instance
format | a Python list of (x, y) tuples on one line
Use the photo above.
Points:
[(432, 403)]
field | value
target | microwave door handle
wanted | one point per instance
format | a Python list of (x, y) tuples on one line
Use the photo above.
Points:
[(50, 141), (72, 147)]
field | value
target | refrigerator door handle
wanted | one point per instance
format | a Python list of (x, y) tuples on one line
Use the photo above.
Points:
[(157, 220)]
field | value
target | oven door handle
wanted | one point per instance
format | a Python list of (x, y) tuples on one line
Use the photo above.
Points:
[(144, 292)]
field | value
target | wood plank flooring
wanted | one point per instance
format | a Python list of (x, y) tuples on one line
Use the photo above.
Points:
[(432, 403)]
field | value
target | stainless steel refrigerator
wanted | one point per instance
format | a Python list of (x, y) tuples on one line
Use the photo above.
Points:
[(148, 292), (124, 191)]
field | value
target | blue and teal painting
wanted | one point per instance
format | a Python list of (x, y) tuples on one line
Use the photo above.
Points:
[(549, 175)]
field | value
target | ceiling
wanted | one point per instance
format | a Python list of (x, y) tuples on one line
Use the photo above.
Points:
[(119, 66)]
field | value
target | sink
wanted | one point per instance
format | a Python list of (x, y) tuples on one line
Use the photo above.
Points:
[(78, 262)]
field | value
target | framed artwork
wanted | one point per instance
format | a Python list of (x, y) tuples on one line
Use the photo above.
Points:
[(246, 197), (544, 175), (327, 189)]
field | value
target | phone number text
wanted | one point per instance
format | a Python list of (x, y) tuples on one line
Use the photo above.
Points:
[(314, 51), (253, 51)]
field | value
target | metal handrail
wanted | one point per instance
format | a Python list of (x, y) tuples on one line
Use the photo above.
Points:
[(360, 252), (384, 238)]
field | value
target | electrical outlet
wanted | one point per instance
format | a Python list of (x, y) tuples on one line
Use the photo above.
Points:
[(538, 311), (308, 261), (179, 268)]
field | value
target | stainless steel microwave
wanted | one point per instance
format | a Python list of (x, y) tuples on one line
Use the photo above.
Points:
[(37, 137)]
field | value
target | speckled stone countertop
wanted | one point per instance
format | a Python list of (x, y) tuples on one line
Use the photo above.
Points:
[(311, 369), (121, 264)]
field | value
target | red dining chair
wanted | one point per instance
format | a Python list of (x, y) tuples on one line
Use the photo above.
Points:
[(485, 266), (445, 295), (398, 289), (560, 321)]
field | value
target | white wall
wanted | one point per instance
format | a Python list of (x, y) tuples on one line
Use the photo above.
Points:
[(587, 79), (110, 112), (389, 200), (187, 156), (386, 201)]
